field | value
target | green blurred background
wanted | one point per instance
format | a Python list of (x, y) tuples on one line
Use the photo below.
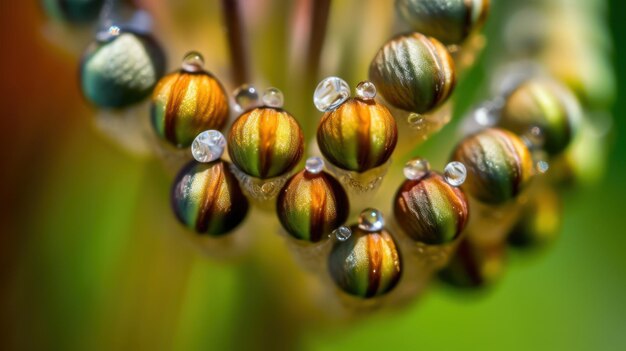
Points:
[(92, 260)]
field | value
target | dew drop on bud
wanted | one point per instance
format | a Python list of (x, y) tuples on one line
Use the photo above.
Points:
[(246, 97), (273, 98), (542, 166), (330, 93), (485, 117), (487, 114), (193, 62), (455, 173), (108, 34), (314, 165), (371, 220), (416, 168), (268, 188), (366, 90), (415, 120), (342, 233), (533, 138), (208, 146)]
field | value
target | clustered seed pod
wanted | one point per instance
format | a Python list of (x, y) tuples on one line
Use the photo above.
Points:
[(122, 70), (450, 21), (430, 210), (366, 265), (185, 104), (413, 72), (72, 11), (358, 135), (474, 266), (544, 104), (539, 222), (265, 142), (207, 198), (499, 165), (311, 205)]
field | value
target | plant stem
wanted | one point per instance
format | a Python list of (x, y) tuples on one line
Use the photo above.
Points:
[(107, 14), (317, 34), (236, 43)]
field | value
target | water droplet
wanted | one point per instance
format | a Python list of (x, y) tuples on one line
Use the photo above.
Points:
[(371, 220), (455, 173), (193, 62), (273, 98), (366, 90), (108, 33), (534, 138), (314, 165), (488, 113), (542, 166), (415, 120), (485, 117), (268, 188), (208, 146), (540, 158), (342, 233), (114, 30), (330, 93), (416, 168), (246, 97)]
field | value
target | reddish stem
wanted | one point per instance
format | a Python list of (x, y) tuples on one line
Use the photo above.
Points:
[(236, 43)]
